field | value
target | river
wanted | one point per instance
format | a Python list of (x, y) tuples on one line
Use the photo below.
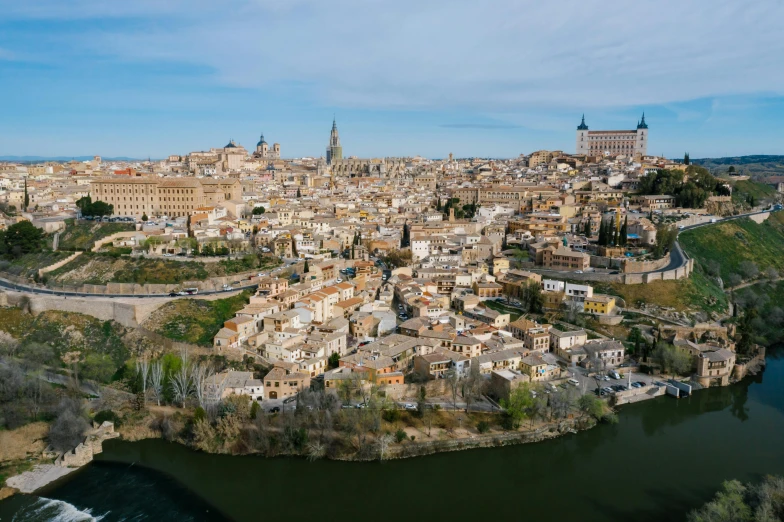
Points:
[(663, 458)]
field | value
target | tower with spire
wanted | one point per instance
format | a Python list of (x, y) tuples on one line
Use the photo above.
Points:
[(334, 150)]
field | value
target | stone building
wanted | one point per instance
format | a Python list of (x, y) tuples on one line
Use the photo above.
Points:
[(263, 150), (612, 142), (174, 197)]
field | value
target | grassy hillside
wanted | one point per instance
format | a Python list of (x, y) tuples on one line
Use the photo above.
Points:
[(724, 247), (761, 192), (193, 320), (755, 166), (48, 337), (97, 268), (696, 293), (768, 300), (82, 236)]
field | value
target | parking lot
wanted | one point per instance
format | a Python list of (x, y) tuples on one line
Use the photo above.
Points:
[(589, 382)]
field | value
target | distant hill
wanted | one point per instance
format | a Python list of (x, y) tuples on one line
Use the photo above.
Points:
[(760, 166), (38, 159)]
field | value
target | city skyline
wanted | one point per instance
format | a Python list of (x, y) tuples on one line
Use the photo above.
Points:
[(152, 80)]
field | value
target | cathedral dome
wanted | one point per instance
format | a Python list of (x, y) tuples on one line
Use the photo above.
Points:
[(261, 141)]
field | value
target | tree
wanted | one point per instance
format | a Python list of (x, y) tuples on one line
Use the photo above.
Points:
[(587, 228), (745, 331), (144, 217), (686, 159), (69, 429), (143, 371), (23, 238), (26, 195), (591, 405), (473, 385), (257, 211), (383, 445), (623, 238), (156, 380), (153, 242), (517, 405), (200, 375), (728, 506), (748, 269), (334, 360), (181, 381), (671, 359), (306, 268), (453, 382), (731, 170)]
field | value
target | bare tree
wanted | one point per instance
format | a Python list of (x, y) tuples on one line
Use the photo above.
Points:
[(200, 375), (383, 445), (143, 370), (472, 386), (8, 345), (69, 428), (156, 380), (453, 381), (182, 384)]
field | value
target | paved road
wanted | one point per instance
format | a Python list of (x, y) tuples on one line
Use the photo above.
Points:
[(4, 283)]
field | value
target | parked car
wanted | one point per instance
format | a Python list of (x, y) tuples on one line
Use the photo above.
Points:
[(228, 288), (289, 400), (275, 409), (173, 294), (641, 383), (338, 280), (636, 385), (615, 375), (574, 382), (607, 389), (409, 406)]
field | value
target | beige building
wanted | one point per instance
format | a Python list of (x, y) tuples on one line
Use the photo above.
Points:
[(612, 142), (173, 197)]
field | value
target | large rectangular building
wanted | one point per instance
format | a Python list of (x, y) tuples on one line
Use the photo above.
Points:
[(174, 197), (612, 142)]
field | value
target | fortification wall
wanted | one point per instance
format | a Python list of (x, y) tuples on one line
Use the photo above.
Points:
[(55, 266), (637, 267)]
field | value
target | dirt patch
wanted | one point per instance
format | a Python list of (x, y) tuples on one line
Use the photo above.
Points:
[(29, 440)]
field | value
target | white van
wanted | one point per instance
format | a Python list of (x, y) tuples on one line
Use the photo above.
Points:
[(615, 375), (574, 382)]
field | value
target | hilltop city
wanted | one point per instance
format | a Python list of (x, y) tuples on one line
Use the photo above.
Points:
[(386, 283)]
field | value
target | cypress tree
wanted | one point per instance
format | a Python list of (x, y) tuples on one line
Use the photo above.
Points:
[(602, 233), (306, 268), (26, 196), (587, 230), (299, 194), (624, 231)]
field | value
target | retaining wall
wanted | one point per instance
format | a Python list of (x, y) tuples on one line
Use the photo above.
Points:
[(638, 267), (55, 266)]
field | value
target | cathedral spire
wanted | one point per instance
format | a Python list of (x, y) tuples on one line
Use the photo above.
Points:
[(642, 124), (582, 125)]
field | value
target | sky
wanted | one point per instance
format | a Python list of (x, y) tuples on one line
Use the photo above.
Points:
[(496, 78)]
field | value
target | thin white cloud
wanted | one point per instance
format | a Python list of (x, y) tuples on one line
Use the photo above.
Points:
[(488, 56)]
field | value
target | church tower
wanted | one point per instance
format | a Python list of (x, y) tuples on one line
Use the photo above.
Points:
[(582, 138), (262, 148), (334, 150)]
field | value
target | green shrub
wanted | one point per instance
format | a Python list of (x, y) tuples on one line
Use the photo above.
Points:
[(483, 426), (107, 415), (400, 435), (391, 415), (199, 414), (254, 409)]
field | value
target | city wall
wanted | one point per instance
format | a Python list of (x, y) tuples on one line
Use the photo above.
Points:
[(129, 315)]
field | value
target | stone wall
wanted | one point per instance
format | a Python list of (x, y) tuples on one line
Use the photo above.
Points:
[(55, 266), (638, 267), (110, 239), (129, 315), (435, 388), (741, 370), (635, 394)]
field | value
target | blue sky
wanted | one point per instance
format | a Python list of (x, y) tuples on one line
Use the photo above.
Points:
[(496, 78)]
